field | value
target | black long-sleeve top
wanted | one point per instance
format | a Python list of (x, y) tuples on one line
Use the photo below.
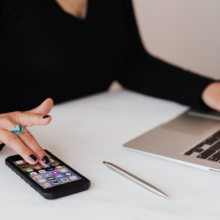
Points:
[(45, 52)]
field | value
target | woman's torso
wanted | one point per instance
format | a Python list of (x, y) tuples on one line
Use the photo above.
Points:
[(46, 52)]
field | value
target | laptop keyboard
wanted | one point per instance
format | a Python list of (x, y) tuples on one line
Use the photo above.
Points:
[(209, 149)]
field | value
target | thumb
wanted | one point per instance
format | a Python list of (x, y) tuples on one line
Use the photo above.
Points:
[(211, 95), (44, 108)]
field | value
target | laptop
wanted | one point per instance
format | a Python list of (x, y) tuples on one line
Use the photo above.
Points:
[(192, 139)]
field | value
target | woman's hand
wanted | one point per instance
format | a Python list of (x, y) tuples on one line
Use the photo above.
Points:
[(211, 95), (26, 145)]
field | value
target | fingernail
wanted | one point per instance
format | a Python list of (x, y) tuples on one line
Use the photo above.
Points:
[(45, 159), (46, 116), (32, 158)]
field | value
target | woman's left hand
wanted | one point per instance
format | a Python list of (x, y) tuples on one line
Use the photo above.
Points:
[(211, 95)]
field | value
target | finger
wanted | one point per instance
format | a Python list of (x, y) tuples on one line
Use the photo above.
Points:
[(30, 119), (211, 95), (29, 140), (25, 119), (17, 145), (7, 122), (44, 108)]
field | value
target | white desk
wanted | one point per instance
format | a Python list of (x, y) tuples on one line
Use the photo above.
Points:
[(87, 131)]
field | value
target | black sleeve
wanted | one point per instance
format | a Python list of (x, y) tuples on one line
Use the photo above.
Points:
[(146, 74), (1, 146)]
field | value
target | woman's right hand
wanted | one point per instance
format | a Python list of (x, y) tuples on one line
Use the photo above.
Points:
[(26, 145)]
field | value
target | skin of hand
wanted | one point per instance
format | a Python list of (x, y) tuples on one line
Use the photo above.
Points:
[(211, 95), (77, 8), (26, 145)]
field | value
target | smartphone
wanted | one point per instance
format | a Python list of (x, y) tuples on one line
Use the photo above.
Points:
[(52, 181)]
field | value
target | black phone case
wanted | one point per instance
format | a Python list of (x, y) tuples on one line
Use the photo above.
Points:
[(74, 188)]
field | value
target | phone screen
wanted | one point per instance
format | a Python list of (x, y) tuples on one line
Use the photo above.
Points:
[(48, 176)]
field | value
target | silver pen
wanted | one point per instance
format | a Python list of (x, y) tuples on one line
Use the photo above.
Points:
[(135, 179)]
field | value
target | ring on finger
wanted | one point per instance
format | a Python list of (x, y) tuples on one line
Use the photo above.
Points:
[(18, 130)]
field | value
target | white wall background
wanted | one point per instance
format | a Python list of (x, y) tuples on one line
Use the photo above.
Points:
[(182, 32)]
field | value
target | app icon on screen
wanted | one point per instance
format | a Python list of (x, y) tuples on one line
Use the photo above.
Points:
[(19, 162), (51, 178), (47, 184), (54, 163), (63, 170), (46, 174), (68, 174), (37, 177), (42, 171), (47, 166), (33, 173), (73, 177), (55, 172), (50, 169), (51, 160), (59, 167), (55, 182), (64, 180), (37, 168), (59, 176), (29, 170), (42, 180)]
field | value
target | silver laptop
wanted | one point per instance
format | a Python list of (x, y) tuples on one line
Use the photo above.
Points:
[(193, 139)]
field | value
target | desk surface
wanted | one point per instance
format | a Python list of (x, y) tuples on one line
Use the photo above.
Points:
[(87, 131)]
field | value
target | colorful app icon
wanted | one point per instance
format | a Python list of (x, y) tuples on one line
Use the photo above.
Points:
[(59, 176), (68, 174), (64, 180), (55, 172), (59, 167), (42, 180), (47, 184), (51, 160), (51, 178), (50, 169), (29, 170), (42, 171), (33, 173), (19, 162), (37, 177), (54, 163), (73, 177), (37, 168), (46, 174), (47, 166), (55, 182), (63, 170)]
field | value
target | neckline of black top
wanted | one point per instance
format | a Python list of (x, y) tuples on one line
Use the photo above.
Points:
[(58, 7)]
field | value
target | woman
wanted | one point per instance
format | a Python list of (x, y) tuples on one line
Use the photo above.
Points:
[(67, 49)]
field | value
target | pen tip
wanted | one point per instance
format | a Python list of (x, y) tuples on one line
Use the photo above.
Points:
[(104, 162)]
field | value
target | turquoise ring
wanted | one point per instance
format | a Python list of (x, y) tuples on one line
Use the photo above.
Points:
[(18, 130)]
